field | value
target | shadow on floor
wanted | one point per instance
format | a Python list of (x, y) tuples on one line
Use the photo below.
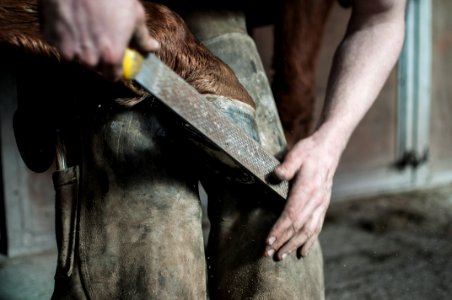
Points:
[(387, 247)]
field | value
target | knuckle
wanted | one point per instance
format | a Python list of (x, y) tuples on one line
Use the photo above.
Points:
[(89, 58), (108, 45), (110, 56), (311, 187), (288, 234), (290, 248), (68, 55), (295, 227), (278, 244), (291, 214), (68, 51), (285, 248), (309, 232), (318, 202), (305, 250), (281, 238), (298, 224)]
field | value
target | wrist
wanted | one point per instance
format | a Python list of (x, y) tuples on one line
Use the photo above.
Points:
[(333, 136)]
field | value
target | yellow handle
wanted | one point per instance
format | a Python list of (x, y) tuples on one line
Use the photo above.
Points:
[(131, 63)]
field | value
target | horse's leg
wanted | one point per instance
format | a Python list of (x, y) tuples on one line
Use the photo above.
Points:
[(298, 34)]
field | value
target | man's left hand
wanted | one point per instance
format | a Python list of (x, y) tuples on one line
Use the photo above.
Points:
[(310, 165)]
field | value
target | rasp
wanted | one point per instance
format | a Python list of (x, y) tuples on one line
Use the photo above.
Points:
[(203, 118)]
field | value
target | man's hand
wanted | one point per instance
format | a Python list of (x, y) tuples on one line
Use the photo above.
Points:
[(361, 65), (310, 165), (96, 32)]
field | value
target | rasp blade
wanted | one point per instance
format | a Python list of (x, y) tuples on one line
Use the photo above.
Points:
[(185, 101)]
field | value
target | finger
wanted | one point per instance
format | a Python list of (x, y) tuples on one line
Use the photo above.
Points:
[(111, 55), (53, 39), (292, 162), (85, 35), (289, 167), (318, 228), (295, 242), (312, 228), (309, 210), (288, 223), (110, 71), (143, 41), (304, 251), (141, 37), (281, 232), (309, 193), (88, 55), (59, 35), (67, 43), (69, 51)]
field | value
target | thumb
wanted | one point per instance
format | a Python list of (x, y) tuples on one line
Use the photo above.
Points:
[(143, 41), (141, 38), (289, 167)]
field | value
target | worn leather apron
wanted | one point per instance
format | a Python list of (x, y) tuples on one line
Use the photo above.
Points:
[(241, 217)]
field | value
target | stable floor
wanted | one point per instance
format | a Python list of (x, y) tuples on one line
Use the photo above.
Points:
[(387, 247), (390, 247)]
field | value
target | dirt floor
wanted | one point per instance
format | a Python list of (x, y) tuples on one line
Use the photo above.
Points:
[(387, 247), (390, 247)]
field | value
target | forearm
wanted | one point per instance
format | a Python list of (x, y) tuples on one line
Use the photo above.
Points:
[(361, 66)]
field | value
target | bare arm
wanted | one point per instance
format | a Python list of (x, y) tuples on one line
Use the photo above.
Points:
[(361, 65), (96, 32)]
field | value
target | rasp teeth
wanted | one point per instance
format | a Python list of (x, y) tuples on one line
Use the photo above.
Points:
[(181, 98)]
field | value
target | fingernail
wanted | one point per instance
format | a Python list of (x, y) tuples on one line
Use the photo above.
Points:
[(283, 256), (280, 172), (270, 252), (271, 240)]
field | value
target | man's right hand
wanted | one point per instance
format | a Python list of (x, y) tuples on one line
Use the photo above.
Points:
[(96, 32)]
